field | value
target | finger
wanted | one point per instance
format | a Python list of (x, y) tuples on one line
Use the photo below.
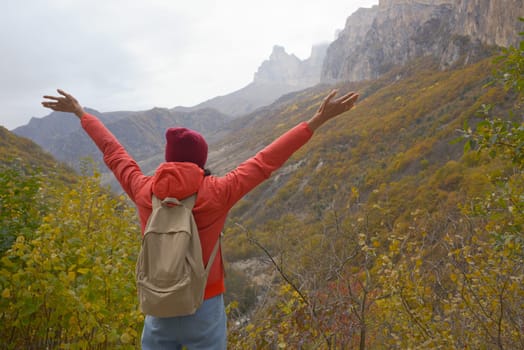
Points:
[(53, 98), (330, 96), (49, 105), (65, 94), (350, 98), (326, 100), (347, 97)]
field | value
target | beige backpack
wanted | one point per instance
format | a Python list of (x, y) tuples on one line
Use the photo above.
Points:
[(170, 273)]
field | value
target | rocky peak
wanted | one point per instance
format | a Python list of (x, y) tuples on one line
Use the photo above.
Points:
[(279, 54), (388, 3), (288, 69), (318, 53), (280, 67)]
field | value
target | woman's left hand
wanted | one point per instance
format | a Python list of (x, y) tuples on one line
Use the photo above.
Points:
[(64, 103)]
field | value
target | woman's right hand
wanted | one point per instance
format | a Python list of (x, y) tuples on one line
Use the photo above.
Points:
[(330, 109)]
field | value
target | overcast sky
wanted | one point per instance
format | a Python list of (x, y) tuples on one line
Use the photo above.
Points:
[(138, 54)]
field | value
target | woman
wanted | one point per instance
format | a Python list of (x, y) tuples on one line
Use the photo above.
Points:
[(182, 175)]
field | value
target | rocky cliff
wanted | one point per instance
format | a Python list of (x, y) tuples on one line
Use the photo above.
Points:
[(397, 31)]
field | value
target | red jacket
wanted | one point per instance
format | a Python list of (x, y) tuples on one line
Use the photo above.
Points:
[(216, 195)]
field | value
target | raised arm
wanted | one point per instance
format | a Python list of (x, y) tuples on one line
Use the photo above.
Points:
[(255, 170), (125, 169)]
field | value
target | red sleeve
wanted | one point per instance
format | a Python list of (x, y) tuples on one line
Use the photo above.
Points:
[(125, 169), (255, 170)]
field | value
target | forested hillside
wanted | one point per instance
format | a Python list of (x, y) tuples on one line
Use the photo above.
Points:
[(398, 226), (67, 253), (24, 167)]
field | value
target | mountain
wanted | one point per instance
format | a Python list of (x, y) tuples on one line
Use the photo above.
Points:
[(397, 31), (142, 133), (280, 74)]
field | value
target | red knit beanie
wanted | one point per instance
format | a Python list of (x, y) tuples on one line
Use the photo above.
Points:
[(185, 145)]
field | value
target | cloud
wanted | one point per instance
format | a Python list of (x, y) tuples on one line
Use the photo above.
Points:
[(137, 54)]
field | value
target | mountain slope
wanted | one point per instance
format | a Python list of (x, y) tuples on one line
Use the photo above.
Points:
[(26, 153), (401, 130)]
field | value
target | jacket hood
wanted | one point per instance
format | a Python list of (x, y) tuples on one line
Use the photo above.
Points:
[(175, 179)]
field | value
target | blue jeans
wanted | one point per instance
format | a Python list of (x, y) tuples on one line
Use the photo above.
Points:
[(206, 329)]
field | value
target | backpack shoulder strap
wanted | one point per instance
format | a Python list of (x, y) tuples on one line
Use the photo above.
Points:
[(155, 202), (213, 254), (189, 202)]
